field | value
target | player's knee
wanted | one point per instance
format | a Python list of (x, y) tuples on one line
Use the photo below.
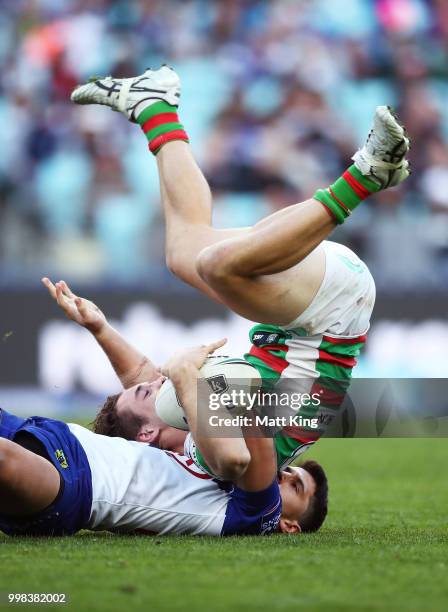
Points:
[(213, 265), (232, 466)]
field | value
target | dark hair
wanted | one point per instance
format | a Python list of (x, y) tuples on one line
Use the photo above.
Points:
[(318, 506), (108, 423)]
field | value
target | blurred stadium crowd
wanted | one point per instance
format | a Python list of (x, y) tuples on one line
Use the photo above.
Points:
[(277, 96)]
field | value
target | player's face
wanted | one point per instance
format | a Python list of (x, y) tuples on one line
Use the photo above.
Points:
[(138, 404), (297, 487), (139, 400)]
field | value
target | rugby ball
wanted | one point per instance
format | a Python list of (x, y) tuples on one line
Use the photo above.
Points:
[(222, 374)]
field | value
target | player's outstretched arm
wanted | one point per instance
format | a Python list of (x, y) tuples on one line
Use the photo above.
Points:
[(131, 366), (228, 458)]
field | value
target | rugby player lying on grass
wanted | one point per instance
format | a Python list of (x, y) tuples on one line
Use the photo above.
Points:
[(56, 479), (125, 415), (312, 298)]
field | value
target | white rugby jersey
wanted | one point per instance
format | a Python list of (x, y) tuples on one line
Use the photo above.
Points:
[(136, 487)]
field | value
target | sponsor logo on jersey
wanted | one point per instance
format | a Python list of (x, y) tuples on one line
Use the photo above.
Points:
[(270, 521), (264, 338), (59, 454)]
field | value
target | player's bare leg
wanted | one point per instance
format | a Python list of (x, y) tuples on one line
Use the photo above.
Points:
[(187, 205), (186, 195), (28, 483), (279, 252), (269, 273)]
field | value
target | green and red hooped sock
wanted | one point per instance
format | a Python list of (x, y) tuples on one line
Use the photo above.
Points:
[(341, 198), (161, 124)]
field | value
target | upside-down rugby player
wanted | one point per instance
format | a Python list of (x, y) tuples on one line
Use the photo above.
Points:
[(56, 479), (312, 298)]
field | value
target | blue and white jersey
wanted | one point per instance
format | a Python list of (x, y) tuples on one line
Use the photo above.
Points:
[(139, 488)]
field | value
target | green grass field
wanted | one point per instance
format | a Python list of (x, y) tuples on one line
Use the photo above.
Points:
[(384, 547)]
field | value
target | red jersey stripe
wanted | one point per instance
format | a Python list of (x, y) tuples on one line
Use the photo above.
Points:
[(345, 340), (297, 433), (345, 362), (278, 364)]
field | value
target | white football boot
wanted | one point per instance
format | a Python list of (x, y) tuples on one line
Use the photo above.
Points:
[(131, 96), (382, 158)]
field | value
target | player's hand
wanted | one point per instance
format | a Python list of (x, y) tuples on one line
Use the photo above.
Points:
[(185, 360), (82, 311)]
